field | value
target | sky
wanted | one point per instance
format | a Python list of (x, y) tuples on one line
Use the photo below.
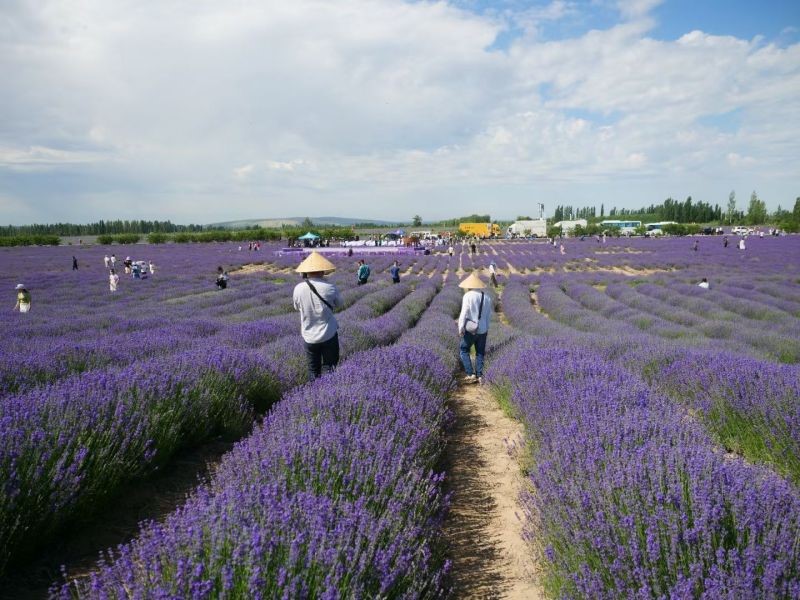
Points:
[(201, 111)]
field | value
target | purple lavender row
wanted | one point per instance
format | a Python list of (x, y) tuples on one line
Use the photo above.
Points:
[(631, 499), (334, 495), (748, 405), (94, 431)]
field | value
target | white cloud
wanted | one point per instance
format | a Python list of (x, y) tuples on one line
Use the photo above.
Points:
[(179, 104)]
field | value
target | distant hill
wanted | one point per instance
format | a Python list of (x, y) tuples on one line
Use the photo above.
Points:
[(245, 223)]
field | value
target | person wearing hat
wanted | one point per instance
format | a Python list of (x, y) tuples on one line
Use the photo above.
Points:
[(473, 326), (23, 304), (316, 298)]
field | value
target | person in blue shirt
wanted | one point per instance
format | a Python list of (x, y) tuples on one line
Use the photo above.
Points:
[(363, 272), (394, 271)]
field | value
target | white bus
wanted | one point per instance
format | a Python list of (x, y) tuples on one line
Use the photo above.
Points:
[(657, 228), (623, 226)]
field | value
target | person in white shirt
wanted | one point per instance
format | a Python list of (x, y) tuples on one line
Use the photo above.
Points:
[(113, 280), (315, 298), (473, 326), (106, 260), (493, 273), (704, 284)]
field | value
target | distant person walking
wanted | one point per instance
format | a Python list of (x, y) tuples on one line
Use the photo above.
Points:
[(562, 249), (695, 245), (113, 260), (127, 263), (74, 264), (113, 280), (493, 273), (473, 248), (394, 271), (725, 242), (473, 326), (704, 284), (363, 272), (315, 298), (741, 244), (23, 304), (450, 250), (106, 261), (151, 266)]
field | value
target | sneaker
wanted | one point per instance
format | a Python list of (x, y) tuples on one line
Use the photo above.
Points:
[(480, 380), (470, 379)]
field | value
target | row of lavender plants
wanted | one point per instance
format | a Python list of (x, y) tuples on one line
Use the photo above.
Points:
[(632, 499), (70, 445), (333, 495), (747, 403)]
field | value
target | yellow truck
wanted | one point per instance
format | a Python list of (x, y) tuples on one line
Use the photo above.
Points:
[(481, 230)]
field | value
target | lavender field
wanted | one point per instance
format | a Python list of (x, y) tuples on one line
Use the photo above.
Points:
[(661, 419)]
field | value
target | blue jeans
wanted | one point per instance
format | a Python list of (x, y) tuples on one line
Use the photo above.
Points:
[(479, 341)]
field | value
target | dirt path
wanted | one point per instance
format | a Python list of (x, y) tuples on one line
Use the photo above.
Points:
[(483, 531)]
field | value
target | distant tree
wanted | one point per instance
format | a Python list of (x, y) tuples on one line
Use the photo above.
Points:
[(521, 218), (796, 211), (602, 210), (731, 206), (416, 220), (307, 223), (756, 211)]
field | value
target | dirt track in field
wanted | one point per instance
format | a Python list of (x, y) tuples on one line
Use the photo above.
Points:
[(483, 531)]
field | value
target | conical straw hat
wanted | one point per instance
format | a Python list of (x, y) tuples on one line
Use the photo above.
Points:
[(473, 282), (314, 263)]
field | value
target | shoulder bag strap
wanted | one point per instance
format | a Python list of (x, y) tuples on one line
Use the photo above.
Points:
[(480, 308), (316, 293)]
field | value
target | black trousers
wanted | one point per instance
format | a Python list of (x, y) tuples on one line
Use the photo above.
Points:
[(322, 357)]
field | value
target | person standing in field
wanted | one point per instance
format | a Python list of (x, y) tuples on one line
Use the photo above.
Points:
[(106, 261), (316, 298), (725, 242), (450, 250), (363, 272), (113, 280), (394, 271), (741, 244), (473, 326), (704, 284), (23, 304), (222, 278), (493, 273), (74, 264), (151, 267), (113, 260)]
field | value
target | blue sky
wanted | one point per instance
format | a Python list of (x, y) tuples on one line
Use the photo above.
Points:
[(201, 111)]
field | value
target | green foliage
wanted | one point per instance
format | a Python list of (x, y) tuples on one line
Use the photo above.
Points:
[(756, 211), (157, 238), (30, 240), (416, 221), (681, 229), (590, 229), (128, 238), (105, 239), (97, 228)]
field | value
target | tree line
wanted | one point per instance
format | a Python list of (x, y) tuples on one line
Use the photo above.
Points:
[(101, 227)]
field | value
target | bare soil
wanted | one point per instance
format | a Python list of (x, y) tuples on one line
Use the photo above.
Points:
[(483, 530)]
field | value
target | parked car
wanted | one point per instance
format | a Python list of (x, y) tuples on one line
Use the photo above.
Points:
[(741, 230)]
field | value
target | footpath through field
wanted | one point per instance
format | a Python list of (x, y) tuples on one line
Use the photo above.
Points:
[(483, 530)]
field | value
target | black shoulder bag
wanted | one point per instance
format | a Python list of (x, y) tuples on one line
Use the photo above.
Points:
[(316, 293)]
